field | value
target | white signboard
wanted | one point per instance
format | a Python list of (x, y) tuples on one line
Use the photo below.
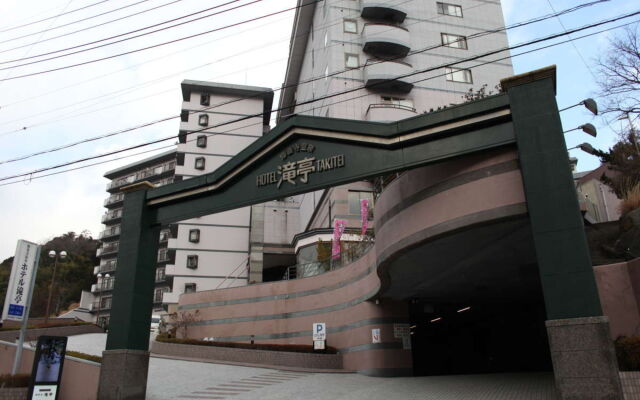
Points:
[(375, 335), (319, 331), (318, 345), (44, 392), (19, 290)]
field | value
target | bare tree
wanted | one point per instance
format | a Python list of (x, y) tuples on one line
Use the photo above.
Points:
[(182, 320), (619, 74)]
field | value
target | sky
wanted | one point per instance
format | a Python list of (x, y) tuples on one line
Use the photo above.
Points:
[(46, 110)]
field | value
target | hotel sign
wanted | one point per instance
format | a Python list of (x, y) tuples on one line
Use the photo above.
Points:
[(25, 264), (292, 172)]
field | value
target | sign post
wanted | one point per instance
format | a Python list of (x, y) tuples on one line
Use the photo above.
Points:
[(21, 283), (319, 335), (46, 372)]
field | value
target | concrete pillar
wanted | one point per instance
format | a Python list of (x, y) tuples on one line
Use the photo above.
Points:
[(584, 362), (123, 374)]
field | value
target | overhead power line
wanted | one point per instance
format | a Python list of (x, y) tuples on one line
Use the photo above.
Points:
[(479, 34), (161, 44), (53, 16), (473, 58), (87, 28), (144, 28)]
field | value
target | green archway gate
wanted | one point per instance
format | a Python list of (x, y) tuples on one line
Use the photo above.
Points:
[(336, 152)]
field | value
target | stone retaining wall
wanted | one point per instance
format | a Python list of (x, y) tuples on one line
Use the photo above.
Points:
[(14, 393), (249, 356), (33, 334)]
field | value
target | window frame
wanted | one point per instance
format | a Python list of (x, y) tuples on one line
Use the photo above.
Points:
[(190, 287), (203, 120), (199, 163), (459, 43), (369, 197), (192, 261), (351, 55), (344, 25), (449, 73), (201, 141), (205, 99), (194, 235), (442, 6)]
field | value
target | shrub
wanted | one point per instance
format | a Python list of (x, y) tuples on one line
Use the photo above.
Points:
[(84, 356), (295, 348), (12, 381), (628, 353), (631, 200)]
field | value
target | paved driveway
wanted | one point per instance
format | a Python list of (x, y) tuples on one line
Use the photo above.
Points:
[(172, 379)]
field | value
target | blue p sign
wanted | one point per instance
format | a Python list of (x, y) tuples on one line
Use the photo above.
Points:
[(319, 331)]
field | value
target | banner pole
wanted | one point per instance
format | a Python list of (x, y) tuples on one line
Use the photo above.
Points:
[(25, 321)]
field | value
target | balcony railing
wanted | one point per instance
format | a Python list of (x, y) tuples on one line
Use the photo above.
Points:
[(388, 76), (163, 255), (110, 232), (108, 266), (113, 199), (382, 10), (143, 174), (95, 306), (388, 112), (103, 286), (112, 215), (107, 248), (386, 41)]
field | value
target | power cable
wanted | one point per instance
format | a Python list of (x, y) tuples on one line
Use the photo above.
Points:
[(473, 58), (479, 34), (161, 44), (53, 17), (87, 28), (125, 34)]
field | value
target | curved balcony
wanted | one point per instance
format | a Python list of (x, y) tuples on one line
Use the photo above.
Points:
[(382, 11), (386, 41), (389, 112), (388, 76)]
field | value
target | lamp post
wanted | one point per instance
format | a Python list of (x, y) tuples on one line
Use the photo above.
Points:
[(100, 287), (52, 254)]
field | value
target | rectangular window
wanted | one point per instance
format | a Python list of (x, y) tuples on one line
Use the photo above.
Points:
[(458, 75), (165, 234), (408, 103), (203, 120), (192, 262), (184, 115), (351, 60), (199, 164), (106, 303), (194, 235), (189, 287), (157, 297), (201, 141), (350, 26), (449, 9), (204, 99), (163, 255), (160, 274), (354, 201), (455, 41)]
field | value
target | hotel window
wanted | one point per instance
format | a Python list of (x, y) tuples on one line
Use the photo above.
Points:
[(201, 141), (189, 287), (354, 201), (184, 115), (199, 163), (449, 9), (455, 41), (351, 60), (458, 75), (157, 297), (194, 235), (192, 262), (203, 120), (204, 99), (105, 303), (160, 274), (350, 26), (402, 103)]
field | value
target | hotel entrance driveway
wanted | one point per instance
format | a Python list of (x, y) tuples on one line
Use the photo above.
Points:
[(171, 379)]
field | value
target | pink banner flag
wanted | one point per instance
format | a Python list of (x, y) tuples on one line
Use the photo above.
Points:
[(364, 215), (338, 229)]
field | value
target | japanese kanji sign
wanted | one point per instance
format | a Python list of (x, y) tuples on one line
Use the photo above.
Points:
[(19, 290), (293, 172)]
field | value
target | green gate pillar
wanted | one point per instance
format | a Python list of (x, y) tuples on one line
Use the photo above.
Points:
[(125, 362), (583, 357)]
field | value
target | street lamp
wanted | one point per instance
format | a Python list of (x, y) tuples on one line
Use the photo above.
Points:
[(586, 128), (586, 147), (590, 104), (100, 286), (52, 254)]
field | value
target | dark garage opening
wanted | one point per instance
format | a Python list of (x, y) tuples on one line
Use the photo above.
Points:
[(478, 338)]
